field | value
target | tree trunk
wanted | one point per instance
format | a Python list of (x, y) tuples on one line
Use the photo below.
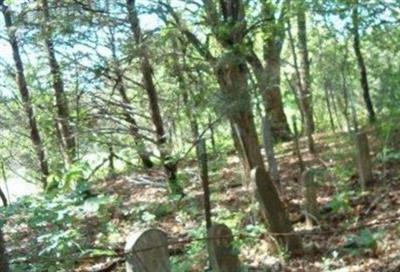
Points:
[(303, 76), (170, 165), (232, 78), (269, 77), (144, 155), (111, 157), (242, 119), (328, 104), (26, 99), (201, 152), (3, 254), (63, 116), (3, 198), (232, 75), (275, 212), (268, 83), (270, 152), (306, 95), (361, 64), (273, 98), (364, 164), (296, 147), (274, 32)]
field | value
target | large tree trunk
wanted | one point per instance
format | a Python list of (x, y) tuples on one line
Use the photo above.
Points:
[(170, 165), (269, 76), (232, 75), (63, 117), (273, 97), (268, 81), (361, 64), (274, 32), (26, 99)]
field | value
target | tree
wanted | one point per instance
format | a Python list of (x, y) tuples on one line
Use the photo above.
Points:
[(25, 95), (228, 25), (269, 75), (63, 116), (129, 118), (170, 165), (303, 73), (361, 64)]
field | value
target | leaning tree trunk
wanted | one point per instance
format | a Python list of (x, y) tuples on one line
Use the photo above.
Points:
[(63, 116), (232, 74), (361, 64), (26, 98), (144, 155), (170, 165)]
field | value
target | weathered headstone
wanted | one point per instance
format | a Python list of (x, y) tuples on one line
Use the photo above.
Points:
[(223, 257), (310, 197), (147, 251), (363, 160)]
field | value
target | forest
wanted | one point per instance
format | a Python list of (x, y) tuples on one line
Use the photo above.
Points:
[(199, 135)]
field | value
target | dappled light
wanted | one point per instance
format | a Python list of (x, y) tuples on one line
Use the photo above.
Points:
[(179, 136)]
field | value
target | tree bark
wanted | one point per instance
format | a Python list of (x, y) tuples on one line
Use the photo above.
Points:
[(232, 74), (270, 152), (144, 155), (4, 267), (63, 116), (275, 212), (303, 75), (279, 123), (269, 76), (306, 95), (25, 95), (201, 152), (328, 104), (361, 64), (3, 198), (170, 165)]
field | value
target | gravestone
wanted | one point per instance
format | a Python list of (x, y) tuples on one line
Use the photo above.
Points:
[(147, 251), (364, 160), (223, 257), (310, 188)]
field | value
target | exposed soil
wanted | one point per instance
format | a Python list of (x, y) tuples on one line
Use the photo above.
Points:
[(327, 248)]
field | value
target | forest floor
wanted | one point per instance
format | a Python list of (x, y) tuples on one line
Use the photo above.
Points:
[(356, 231)]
